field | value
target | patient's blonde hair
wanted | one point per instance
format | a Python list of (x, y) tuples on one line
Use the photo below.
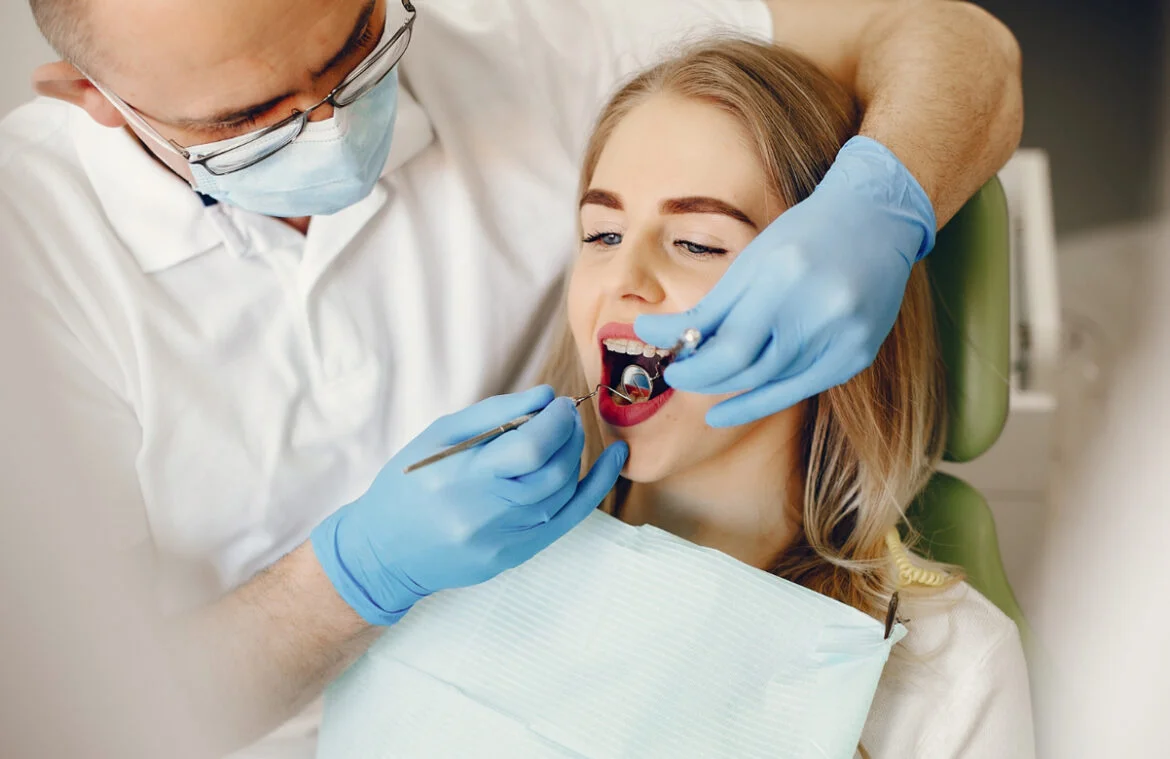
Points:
[(869, 445)]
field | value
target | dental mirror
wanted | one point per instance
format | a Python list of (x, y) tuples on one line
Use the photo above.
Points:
[(636, 383)]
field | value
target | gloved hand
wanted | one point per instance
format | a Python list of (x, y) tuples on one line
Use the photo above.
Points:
[(808, 303), (465, 519)]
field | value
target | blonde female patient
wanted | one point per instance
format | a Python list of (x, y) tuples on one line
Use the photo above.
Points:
[(687, 164)]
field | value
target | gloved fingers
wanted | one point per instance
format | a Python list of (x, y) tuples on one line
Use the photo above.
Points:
[(788, 352), (589, 494), (592, 489), (486, 414), (777, 396), (739, 343), (564, 467), (768, 367), (664, 330), (525, 450), (527, 517), (843, 350)]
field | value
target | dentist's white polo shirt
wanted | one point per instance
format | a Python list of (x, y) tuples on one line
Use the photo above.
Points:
[(230, 382), (238, 381)]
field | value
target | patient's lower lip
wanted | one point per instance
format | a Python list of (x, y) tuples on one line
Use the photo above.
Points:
[(632, 414)]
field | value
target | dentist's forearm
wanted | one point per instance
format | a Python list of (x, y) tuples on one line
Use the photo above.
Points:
[(941, 86), (939, 82), (260, 655)]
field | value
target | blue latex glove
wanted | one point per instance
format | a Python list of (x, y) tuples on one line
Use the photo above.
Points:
[(467, 518), (808, 303)]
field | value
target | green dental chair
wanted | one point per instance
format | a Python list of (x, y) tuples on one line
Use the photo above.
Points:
[(970, 276)]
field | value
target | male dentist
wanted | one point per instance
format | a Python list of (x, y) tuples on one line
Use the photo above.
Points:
[(271, 242)]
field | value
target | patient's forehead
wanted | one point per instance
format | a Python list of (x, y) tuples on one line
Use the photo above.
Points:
[(669, 147)]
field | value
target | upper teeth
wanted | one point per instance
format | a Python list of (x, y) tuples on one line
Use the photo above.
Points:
[(634, 348)]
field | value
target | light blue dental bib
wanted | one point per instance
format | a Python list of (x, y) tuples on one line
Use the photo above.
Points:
[(616, 641)]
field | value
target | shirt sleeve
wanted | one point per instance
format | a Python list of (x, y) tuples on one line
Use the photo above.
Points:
[(70, 440), (989, 711), (78, 625), (535, 73)]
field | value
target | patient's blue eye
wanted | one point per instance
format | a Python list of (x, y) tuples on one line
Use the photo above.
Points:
[(700, 251), (608, 239)]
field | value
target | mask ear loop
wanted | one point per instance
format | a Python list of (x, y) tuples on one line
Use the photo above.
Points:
[(908, 574), (134, 118)]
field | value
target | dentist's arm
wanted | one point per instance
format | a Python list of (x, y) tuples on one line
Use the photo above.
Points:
[(262, 653), (217, 679), (240, 667), (939, 82), (456, 523), (214, 680), (809, 303)]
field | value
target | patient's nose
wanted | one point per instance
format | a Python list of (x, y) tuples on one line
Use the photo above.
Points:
[(633, 274)]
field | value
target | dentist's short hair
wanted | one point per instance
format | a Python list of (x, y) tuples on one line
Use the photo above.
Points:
[(65, 27)]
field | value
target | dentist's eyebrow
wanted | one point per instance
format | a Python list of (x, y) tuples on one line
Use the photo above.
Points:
[(681, 206), (352, 44), (227, 118)]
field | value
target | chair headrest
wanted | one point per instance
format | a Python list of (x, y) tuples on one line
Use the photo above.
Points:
[(970, 271)]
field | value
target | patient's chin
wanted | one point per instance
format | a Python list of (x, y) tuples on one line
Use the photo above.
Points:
[(647, 463)]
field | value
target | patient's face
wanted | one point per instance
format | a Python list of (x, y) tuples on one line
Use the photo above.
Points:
[(677, 194)]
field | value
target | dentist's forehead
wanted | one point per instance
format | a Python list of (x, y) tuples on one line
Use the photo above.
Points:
[(193, 47)]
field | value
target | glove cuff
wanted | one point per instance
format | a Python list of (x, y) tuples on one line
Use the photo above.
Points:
[(327, 550), (870, 169)]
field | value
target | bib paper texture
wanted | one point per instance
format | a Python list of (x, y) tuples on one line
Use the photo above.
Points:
[(616, 641)]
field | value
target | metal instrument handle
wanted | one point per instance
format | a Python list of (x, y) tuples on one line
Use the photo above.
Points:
[(471, 442), (493, 433)]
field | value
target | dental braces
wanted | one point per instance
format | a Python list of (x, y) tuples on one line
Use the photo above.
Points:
[(638, 384), (683, 348)]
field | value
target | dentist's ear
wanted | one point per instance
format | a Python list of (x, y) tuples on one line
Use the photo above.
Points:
[(63, 81)]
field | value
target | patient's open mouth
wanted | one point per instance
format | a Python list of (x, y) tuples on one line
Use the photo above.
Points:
[(634, 368)]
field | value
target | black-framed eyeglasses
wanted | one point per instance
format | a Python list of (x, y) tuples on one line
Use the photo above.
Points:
[(270, 140)]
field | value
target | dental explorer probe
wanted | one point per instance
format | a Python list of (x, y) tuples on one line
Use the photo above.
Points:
[(495, 432), (686, 346), (637, 383)]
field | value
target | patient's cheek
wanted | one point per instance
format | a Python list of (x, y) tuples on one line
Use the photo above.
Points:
[(580, 320)]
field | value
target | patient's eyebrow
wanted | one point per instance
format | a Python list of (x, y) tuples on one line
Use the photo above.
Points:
[(602, 198), (673, 206), (698, 204)]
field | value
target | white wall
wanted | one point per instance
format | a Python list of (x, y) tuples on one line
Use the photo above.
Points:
[(21, 50)]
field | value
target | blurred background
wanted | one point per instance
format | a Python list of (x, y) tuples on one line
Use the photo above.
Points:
[(23, 49), (1090, 196)]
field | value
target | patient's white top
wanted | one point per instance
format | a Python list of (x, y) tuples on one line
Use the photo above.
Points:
[(956, 687)]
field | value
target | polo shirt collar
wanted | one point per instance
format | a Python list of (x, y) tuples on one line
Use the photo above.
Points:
[(163, 222), (158, 217)]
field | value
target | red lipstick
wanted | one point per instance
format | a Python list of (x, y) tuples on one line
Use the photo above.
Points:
[(613, 413)]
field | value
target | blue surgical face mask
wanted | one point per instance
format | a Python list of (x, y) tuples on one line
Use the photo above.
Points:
[(331, 165)]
